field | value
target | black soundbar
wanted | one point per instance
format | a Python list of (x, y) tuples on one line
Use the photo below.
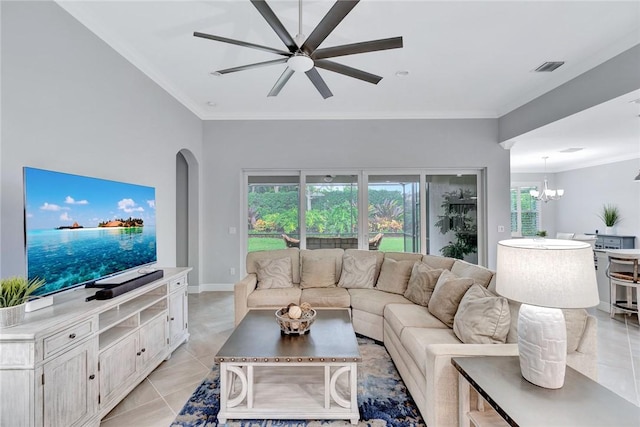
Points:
[(113, 290)]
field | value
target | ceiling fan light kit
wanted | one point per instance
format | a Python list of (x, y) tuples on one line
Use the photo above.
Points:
[(305, 56), (300, 63)]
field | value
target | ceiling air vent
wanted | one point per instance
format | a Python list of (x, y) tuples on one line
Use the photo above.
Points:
[(547, 67)]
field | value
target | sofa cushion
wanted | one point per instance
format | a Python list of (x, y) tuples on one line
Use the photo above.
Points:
[(317, 273), (403, 256), (326, 297), (416, 340), (373, 301), (422, 283), (434, 261), (293, 253), (400, 316), (446, 296), (379, 258), (274, 273), (479, 274), (268, 298), (394, 275), (320, 268), (358, 271), (482, 317)]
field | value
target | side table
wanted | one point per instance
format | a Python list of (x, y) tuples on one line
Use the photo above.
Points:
[(516, 402)]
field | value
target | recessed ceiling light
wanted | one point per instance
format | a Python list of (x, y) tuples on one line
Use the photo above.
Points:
[(571, 150), (211, 104), (216, 73), (402, 73)]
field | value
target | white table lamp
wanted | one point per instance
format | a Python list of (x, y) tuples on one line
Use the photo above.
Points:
[(545, 275)]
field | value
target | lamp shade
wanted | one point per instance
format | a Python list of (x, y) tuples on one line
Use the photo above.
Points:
[(547, 273)]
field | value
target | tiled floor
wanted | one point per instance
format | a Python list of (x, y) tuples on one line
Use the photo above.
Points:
[(159, 398)]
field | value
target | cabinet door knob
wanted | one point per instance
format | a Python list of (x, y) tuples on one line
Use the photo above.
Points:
[(173, 318), (143, 350), (139, 353), (72, 336), (92, 377)]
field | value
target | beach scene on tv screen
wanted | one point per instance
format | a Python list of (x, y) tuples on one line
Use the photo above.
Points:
[(79, 229)]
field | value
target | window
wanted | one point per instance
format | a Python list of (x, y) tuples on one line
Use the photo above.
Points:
[(272, 210), (525, 211)]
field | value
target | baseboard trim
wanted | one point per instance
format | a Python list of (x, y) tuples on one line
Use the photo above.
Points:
[(211, 287)]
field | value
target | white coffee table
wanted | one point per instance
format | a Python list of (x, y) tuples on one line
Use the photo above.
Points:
[(266, 375)]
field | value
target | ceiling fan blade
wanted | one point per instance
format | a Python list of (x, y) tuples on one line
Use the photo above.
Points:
[(241, 43), (362, 47), (347, 71), (284, 78), (274, 22), (330, 21), (319, 83), (250, 66)]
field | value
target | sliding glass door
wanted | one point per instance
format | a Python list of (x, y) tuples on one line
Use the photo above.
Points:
[(331, 211), (272, 212), (431, 212), (394, 212), (452, 219)]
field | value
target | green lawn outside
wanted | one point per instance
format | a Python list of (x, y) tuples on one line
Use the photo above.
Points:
[(388, 244)]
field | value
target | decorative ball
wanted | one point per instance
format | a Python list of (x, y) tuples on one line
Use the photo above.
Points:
[(295, 312), (305, 306)]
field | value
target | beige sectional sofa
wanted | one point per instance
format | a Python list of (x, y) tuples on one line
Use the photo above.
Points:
[(417, 305)]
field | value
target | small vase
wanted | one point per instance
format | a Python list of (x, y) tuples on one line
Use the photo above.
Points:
[(610, 230), (12, 316)]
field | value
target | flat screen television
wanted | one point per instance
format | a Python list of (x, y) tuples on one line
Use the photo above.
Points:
[(80, 229)]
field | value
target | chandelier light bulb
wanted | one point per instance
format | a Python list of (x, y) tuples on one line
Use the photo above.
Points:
[(547, 193)]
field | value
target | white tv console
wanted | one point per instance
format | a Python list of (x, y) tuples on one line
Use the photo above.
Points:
[(71, 363)]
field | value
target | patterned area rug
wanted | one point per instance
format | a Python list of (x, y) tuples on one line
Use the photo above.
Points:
[(383, 399)]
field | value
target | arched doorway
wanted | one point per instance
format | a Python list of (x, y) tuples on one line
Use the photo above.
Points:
[(188, 214)]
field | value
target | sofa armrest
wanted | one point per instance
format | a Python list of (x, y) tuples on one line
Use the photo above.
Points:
[(589, 340), (442, 377), (241, 291), (585, 358)]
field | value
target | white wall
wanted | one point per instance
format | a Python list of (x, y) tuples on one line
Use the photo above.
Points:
[(72, 104), (231, 146), (586, 190)]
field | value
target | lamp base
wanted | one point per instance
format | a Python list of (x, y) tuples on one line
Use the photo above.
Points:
[(542, 343)]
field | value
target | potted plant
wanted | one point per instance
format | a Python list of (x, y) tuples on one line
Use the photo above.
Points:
[(14, 293), (611, 216)]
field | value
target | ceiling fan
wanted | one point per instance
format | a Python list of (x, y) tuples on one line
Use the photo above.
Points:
[(303, 55)]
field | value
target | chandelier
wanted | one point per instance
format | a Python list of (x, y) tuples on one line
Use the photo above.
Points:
[(546, 194)]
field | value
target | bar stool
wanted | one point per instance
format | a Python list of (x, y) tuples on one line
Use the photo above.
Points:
[(623, 271)]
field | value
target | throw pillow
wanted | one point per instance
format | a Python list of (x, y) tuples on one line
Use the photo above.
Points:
[(446, 296), (421, 283), (394, 275), (358, 271), (482, 317), (274, 273), (317, 272)]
